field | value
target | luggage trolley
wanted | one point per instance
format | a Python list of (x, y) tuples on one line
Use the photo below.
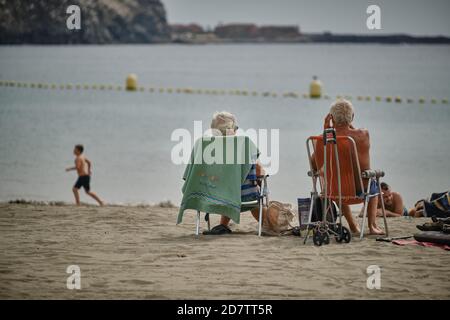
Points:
[(328, 225)]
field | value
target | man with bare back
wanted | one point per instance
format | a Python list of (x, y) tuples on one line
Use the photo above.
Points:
[(83, 168), (341, 117)]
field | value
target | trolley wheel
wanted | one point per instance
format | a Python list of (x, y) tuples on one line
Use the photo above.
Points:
[(326, 238), (346, 234), (317, 238)]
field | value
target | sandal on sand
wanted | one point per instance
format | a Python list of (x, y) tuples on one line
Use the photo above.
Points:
[(443, 220), (431, 226), (218, 230), (446, 228)]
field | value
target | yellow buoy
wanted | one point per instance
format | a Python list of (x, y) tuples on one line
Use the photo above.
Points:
[(315, 88), (421, 100), (398, 99), (131, 83), (368, 98), (445, 101), (433, 101), (388, 99), (378, 98)]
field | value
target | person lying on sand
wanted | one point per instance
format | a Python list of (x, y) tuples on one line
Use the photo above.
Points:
[(341, 117), (438, 206), (84, 170), (393, 203)]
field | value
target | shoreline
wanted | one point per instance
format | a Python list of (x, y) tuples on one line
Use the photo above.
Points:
[(56, 203)]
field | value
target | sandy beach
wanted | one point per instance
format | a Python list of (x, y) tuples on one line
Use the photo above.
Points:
[(139, 253)]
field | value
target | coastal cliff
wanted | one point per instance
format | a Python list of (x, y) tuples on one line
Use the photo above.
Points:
[(102, 22)]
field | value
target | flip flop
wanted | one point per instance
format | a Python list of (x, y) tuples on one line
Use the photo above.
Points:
[(218, 230), (431, 226)]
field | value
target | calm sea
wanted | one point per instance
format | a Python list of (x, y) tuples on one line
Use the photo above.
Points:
[(127, 135)]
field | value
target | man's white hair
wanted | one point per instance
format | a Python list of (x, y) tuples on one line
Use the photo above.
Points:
[(223, 121), (342, 112)]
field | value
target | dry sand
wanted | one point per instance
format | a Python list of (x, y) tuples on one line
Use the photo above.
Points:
[(137, 252)]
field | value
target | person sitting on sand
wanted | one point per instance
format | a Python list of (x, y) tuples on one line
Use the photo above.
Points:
[(393, 203), (341, 117), (438, 206), (84, 175)]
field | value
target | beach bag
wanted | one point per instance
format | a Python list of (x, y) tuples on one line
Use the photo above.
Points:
[(277, 219), (317, 211)]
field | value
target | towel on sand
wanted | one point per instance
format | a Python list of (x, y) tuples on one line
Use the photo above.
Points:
[(419, 243), (213, 178)]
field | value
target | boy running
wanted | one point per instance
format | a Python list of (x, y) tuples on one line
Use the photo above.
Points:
[(83, 167)]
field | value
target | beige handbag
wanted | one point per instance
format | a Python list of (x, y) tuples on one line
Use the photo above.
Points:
[(277, 219)]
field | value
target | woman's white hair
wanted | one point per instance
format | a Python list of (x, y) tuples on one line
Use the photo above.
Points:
[(342, 112), (223, 121)]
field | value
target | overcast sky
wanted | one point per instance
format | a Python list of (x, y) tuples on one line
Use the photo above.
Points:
[(419, 17)]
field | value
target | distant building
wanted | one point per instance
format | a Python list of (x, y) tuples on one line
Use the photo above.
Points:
[(237, 31), (191, 33), (279, 32), (248, 31)]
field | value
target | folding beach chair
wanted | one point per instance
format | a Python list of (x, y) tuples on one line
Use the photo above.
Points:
[(224, 187), (260, 201), (336, 166)]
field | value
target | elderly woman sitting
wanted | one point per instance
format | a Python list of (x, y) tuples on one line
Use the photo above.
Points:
[(225, 124)]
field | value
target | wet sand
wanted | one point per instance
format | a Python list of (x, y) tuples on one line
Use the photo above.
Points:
[(139, 253)]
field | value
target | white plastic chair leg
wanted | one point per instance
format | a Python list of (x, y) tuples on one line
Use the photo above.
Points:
[(363, 222), (260, 218), (197, 226)]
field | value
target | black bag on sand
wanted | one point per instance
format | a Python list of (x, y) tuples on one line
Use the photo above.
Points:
[(332, 213)]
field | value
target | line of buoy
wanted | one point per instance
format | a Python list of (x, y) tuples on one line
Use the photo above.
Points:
[(131, 85)]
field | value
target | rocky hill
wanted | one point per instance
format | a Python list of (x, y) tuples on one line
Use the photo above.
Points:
[(102, 22)]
